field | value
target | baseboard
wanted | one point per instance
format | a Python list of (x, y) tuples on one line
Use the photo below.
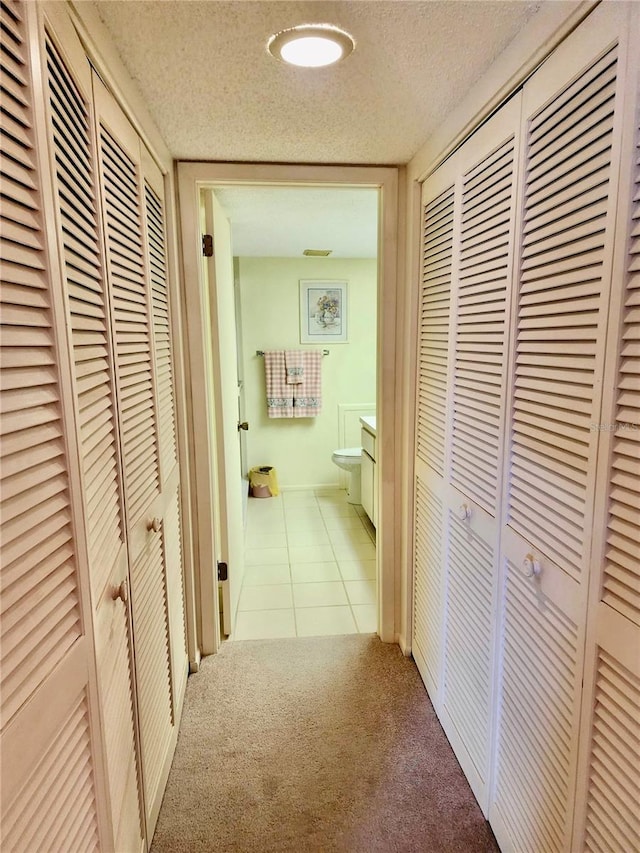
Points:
[(405, 647)]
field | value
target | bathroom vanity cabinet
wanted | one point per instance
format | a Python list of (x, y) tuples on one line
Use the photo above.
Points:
[(369, 490)]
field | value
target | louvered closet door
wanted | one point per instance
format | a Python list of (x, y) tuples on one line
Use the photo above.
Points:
[(155, 228), (564, 278), (468, 265), (476, 401), (75, 172), (607, 819), (149, 509), (51, 770), (433, 367)]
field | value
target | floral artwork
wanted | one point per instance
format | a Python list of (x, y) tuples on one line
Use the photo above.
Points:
[(323, 308)]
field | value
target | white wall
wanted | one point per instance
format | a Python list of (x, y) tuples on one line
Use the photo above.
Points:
[(301, 448)]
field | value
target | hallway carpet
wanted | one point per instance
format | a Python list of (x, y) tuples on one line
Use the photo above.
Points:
[(315, 744)]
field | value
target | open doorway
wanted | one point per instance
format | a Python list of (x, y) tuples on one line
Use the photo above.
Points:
[(209, 468), (305, 276)]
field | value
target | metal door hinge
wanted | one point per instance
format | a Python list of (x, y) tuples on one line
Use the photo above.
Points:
[(207, 245), (223, 572)]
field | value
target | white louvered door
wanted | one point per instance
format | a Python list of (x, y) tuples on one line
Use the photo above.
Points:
[(608, 818), (483, 275), (468, 259), (50, 740), (433, 367), (162, 345), (137, 285), (571, 153), (75, 175)]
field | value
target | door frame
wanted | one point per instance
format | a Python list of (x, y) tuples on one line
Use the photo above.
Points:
[(192, 177)]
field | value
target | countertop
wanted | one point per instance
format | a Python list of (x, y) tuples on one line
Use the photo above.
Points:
[(369, 423)]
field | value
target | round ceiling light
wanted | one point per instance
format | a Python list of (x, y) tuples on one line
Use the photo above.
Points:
[(311, 45)]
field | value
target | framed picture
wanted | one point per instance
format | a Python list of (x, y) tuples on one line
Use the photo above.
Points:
[(323, 311)]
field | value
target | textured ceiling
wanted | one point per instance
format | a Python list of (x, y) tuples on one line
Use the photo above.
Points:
[(216, 94), (282, 221)]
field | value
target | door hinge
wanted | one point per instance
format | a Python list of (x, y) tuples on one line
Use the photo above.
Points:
[(207, 245), (223, 572)]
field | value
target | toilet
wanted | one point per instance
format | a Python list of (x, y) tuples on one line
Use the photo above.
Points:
[(349, 459)]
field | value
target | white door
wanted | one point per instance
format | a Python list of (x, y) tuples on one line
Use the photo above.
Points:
[(219, 281), (571, 108), (609, 769), (134, 239), (75, 180), (242, 407), (52, 781)]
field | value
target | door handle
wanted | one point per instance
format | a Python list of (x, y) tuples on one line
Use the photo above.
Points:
[(243, 425), (121, 592)]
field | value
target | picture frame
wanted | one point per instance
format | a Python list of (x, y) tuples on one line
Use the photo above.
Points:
[(323, 311)]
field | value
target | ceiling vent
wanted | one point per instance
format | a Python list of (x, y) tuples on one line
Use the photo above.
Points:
[(317, 253)]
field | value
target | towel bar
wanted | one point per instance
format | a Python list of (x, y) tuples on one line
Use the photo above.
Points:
[(261, 352)]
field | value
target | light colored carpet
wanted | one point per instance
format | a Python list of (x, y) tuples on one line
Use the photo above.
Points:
[(315, 744)]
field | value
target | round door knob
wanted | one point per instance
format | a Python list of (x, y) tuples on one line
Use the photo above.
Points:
[(121, 592), (154, 525), (243, 425), (532, 567), (464, 512)]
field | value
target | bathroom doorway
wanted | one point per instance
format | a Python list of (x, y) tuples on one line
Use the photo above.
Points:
[(193, 178), (310, 561)]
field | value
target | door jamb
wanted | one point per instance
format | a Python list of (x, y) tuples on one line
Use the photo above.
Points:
[(192, 177)]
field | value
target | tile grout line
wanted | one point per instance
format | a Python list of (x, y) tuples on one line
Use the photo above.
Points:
[(353, 615), (326, 533)]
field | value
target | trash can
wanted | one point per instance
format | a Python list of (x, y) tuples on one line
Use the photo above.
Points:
[(263, 481)]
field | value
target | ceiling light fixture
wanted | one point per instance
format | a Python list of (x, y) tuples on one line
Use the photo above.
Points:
[(311, 45)]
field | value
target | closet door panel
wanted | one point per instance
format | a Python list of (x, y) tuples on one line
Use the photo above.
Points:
[(469, 208), (483, 277), (149, 490), (433, 370), (483, 270), (470, 536), (428, 585), (608, 820), (562, 308), (50, 791), (168, 457), (539, 706), (75, 177), (434, 331), (609, 778), (571, 153)]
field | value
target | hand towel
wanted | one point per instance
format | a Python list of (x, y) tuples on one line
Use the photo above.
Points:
[(279, 394), (307, 396), (293, 360)]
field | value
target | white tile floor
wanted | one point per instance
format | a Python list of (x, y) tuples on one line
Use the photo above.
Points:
[(310, 562)]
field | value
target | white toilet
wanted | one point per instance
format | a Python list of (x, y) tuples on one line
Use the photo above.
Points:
[(349, 459)]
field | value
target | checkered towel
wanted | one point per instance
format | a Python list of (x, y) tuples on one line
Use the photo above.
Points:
[(302, 400), (293, 362), (307, 397)]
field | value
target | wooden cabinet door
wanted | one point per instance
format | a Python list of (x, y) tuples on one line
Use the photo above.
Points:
[(75, 177), (367, 481), (52, 793), (572, 143), (137, 289)]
